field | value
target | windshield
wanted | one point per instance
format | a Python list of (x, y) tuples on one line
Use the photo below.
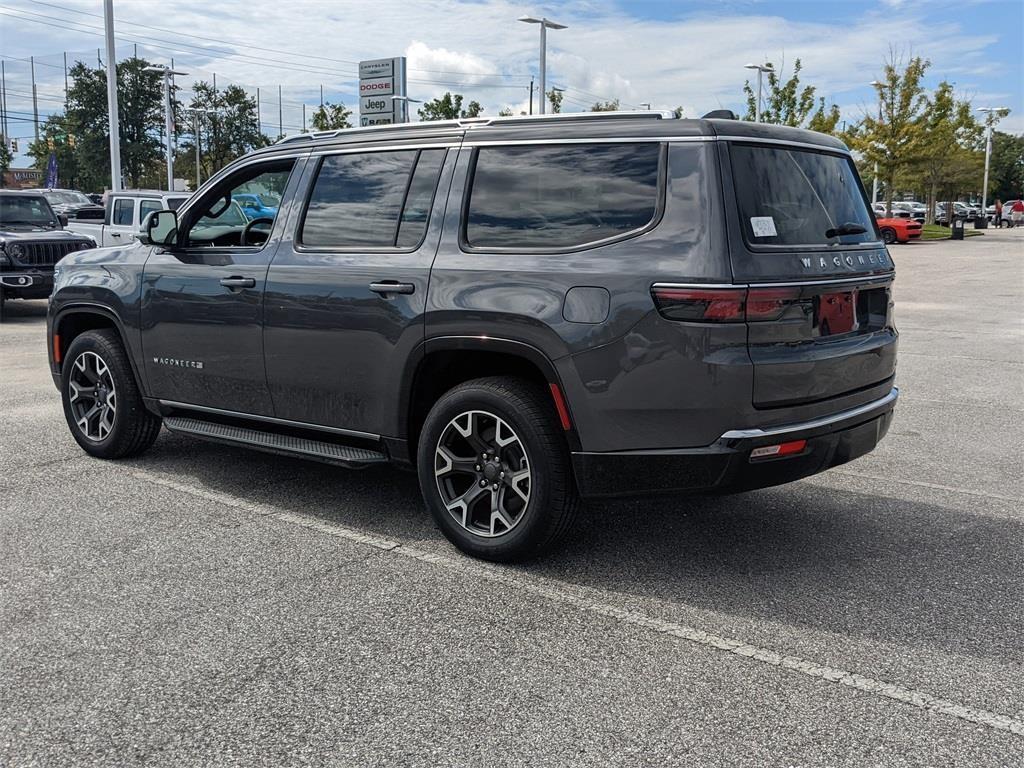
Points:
[(64, 198), (26, 209), (793, 197)]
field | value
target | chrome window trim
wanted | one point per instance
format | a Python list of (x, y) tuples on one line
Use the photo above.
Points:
[(269, 419), (348, 150), (758, 432), (592, 140)]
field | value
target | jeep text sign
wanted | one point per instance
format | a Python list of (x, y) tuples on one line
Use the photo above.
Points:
[(379, 80)]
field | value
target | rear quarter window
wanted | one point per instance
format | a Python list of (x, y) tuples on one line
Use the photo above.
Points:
[(547, 197)]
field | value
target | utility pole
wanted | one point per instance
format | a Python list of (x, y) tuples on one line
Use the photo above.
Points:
[(65, 81), (259, 125), (303, 117), (35, 100), (761, 69), (3, 97), (874, 181), (112, 116), (280, 113), (531, 95), (321, 96)]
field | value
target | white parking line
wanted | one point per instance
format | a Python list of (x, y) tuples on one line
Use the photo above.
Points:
[(536, 586)]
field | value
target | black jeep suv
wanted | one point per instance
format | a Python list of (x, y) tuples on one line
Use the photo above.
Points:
[(527, 311), (32, 240)]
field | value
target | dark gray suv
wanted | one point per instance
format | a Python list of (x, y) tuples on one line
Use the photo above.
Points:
[(527, 311)]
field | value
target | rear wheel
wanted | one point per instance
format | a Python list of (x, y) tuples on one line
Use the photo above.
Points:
[(494, 470), (888, 235), (102, 403)]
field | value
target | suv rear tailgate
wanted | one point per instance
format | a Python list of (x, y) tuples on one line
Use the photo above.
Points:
[(833, 338)]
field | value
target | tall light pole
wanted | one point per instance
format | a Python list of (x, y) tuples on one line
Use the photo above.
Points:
[(545, 25), (761, 69), (113, 122), (874, 182), (168, 118), (992, 114)]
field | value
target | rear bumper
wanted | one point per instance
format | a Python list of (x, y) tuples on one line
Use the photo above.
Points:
[(726, 466)]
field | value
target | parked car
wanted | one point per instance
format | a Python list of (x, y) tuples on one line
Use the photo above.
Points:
[(526, 311), (32, 240), (880, 208), (125, 212), (897, 230), (1007, 217), (912, 209), (257, 206), (72, 204)]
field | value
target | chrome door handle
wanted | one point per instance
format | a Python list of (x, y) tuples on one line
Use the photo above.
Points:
[(238, 282), (115, 234), (384, 288)]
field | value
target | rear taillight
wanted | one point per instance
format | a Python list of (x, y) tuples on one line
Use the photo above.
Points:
[(723, 305)]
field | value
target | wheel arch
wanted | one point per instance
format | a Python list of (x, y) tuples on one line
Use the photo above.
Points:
[(72, 320), (448, 361)]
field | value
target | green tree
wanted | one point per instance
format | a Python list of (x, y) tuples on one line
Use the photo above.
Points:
[(226, 133), (331, 117), (949, 155), (5, 157), (506, 112), (449, 107), (786, 103), (896, 141), (56, 138), (1006, 166), (678, 112), (605, 106), (555, 99)]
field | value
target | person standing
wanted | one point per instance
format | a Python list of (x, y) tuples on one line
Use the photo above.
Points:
[(998, 220), (1017, 213)]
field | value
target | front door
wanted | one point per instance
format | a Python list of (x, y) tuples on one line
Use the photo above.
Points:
[(347, 288), (202, 301)]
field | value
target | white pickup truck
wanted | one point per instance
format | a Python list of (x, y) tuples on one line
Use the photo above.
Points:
[(125, 212)]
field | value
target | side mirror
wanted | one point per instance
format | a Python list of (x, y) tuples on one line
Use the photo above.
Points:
[(159, 228), (63, 219)]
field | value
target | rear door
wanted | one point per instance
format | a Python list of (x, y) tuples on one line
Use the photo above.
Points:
[(346, 292), (803, 238)]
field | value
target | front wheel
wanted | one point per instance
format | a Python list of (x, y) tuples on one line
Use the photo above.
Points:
[(494, 470), (888, 235), (102, 403)]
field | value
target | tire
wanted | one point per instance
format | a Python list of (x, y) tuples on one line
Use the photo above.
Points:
[(111, 423), (536, 510), (888, 235)]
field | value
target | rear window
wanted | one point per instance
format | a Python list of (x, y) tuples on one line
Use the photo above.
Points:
[(795, 197), (561, 196)]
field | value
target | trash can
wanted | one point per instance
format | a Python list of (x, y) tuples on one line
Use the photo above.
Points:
[(981, 223), (957, 232)]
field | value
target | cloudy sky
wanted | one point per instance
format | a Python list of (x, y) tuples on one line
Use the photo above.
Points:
[(667, 53)]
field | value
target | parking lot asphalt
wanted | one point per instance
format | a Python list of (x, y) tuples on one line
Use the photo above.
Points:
[(204, 605)]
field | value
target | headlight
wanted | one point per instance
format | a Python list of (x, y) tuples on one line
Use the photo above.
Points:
[(15, 250)]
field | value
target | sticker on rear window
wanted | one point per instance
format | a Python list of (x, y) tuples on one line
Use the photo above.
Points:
[(763, 226)]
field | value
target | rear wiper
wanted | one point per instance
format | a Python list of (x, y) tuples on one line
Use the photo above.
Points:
[(845, 229)]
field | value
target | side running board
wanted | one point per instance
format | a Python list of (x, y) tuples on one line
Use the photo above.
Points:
[(269, 441)]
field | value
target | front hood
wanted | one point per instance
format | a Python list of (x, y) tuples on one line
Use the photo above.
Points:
[(40, 236)]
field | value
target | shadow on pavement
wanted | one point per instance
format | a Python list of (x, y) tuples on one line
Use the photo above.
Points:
[(19, 311), (876, 567)]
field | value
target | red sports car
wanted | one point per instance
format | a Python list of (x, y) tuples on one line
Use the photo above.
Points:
[(899, 230)]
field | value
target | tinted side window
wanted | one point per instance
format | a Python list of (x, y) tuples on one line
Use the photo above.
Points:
[(416, 211), (123, 209), (561, 196), (358, 199)]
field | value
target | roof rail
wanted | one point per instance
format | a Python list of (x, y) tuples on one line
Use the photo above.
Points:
[(470, 122)]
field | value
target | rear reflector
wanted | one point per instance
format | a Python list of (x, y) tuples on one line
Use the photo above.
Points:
[(723, 305), (782, 449)]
